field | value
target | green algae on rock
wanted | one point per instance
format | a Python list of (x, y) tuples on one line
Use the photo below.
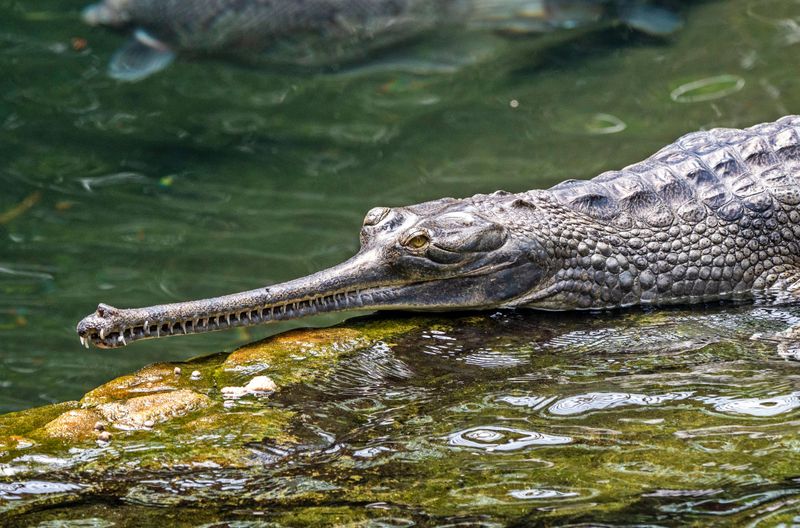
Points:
[(74, 425), (146, 411), (482, 419), (161, 418)]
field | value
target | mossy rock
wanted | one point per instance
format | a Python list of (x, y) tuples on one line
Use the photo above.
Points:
[(172, 416)]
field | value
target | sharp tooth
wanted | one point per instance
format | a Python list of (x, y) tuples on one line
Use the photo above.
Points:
[(83, 340), (121, 339), (183, 327), (261, 313), (158, 331), (86, 342), (228, 319), (102, 334)]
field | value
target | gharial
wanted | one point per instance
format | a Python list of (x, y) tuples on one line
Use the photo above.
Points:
[(330, 32), (713, 216)]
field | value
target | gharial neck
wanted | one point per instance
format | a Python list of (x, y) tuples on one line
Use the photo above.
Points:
[(598, 265)]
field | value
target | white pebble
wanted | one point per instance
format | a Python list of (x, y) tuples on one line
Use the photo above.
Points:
[(105, 436), (233, 393), (177, 371), (196, 375), (149, 423), (261, 384), (257, 385)]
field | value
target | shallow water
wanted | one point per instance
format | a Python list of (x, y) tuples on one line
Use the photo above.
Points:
[(655, 418), (213, 177)]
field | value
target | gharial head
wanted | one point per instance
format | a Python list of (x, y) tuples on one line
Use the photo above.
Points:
[(442, 255)]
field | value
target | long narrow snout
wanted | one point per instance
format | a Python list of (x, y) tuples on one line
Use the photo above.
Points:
[(355, 284), (439, 260)]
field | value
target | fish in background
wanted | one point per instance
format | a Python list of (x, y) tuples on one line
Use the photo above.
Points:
[(330, 32)]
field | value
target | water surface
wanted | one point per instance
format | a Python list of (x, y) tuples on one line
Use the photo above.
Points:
[(214, 177), (656, 418)]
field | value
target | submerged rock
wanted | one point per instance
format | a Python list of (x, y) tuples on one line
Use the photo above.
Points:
[(74, 425), (157, 419), (146, 411)]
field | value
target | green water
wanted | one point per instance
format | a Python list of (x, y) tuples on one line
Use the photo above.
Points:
[(213, 177), (662, 418)]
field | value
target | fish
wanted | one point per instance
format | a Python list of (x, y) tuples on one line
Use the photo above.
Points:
[(333, 32)]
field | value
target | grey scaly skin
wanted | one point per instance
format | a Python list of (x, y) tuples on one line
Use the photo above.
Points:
[(712, 216), (324, 32), (299, 30)]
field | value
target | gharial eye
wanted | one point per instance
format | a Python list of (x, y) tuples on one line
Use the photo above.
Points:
[(417, 241)]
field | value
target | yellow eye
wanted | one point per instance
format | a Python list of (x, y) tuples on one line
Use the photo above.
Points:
[(417, 241)]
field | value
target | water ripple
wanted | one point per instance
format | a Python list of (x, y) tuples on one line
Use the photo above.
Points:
[(119, 178), (369, 374), (541, 494), (707, 89), (762, 407), (718, 507), (596, 401), (533, 402), (495, 438), (16, 490)]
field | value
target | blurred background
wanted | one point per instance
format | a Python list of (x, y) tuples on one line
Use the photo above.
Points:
[(215, 176)]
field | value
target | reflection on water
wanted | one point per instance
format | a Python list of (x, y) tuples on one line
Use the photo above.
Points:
[(609, 400), (757, 406), (707, 89), (18, 490), (494, 438), (541, 494)]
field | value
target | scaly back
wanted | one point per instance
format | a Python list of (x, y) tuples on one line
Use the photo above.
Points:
[(722, 171)]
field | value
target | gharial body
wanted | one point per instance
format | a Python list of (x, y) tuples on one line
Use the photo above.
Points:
[(329, 32), (715, 215)]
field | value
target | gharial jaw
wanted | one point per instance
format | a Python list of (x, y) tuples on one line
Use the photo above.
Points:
[(111, 327), (436, 256)]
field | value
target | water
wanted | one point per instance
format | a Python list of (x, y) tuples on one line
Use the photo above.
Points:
[(212, 177), (657, 418)]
